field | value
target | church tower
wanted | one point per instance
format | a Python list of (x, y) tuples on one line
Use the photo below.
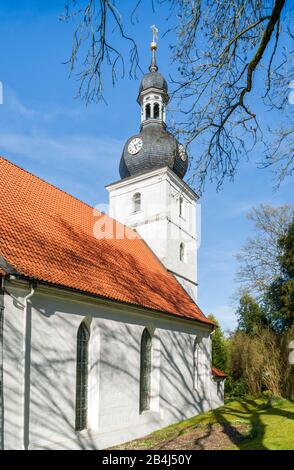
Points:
[(151, 196)]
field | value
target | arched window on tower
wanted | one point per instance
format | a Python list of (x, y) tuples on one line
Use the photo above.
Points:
[(156, 111), (136, 202), (145, 371), (148, 111), (181, 207), (182, 252), (83, 337)]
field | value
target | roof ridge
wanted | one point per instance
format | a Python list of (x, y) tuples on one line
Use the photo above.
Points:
[(93, 208), (117, 269)]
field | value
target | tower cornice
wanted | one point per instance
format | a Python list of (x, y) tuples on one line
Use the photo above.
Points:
[(143, 93), (160, 172)]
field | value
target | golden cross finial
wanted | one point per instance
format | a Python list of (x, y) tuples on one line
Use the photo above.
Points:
[(153, 46), (154, 32)]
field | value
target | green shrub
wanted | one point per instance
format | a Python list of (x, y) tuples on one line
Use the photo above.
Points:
[(235, 388)]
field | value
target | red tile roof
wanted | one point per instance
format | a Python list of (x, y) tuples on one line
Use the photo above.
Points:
[(218, 373), (46, 234)]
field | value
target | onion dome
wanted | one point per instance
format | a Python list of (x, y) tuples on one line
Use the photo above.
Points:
[(153, 80), (154, 147)]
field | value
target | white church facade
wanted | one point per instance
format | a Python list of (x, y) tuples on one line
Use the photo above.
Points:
[(101, 338)]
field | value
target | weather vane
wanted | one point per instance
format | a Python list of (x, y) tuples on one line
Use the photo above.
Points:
[(153, 46), (155, 33)]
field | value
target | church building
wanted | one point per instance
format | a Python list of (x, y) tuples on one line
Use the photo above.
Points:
[(101, 338)]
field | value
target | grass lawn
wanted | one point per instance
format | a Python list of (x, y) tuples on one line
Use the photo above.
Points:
[(249, 424)]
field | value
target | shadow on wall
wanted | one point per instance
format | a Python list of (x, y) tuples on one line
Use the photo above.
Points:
[(54, 406), (116, 267), (50, 394)]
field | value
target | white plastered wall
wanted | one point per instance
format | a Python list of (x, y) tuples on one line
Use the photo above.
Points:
[(39, 388), (159, 222)]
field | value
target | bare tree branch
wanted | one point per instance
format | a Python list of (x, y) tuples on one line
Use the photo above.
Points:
[(222, 50), (98, 19), (258, 259), (216, 79)]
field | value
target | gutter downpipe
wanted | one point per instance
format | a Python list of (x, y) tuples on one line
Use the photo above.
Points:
[(1, 364), (27, 366), (27, 359)]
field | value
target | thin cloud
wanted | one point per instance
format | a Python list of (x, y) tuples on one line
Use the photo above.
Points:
[(31, 141), (61, 150), (225, 315)]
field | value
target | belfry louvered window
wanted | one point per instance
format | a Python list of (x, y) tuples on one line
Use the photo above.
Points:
[(82, 377), (145, 371)]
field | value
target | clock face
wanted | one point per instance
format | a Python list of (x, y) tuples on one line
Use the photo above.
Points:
[(182, 152), (135, 146)]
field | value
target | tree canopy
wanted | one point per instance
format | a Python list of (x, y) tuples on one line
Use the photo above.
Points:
[(222, 51), (281, 291), (251, 316), (219, 347), (259, 258)]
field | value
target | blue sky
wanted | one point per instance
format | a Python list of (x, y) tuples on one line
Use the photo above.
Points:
[(49, 132)]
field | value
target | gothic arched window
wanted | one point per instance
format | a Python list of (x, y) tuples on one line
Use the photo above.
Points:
[(196, 360), (147, 111), (83, 337), (145, 371), (156, 111), (182, 252), (137, 202)]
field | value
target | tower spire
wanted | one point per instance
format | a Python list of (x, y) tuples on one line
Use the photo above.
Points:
[(153, 46)]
